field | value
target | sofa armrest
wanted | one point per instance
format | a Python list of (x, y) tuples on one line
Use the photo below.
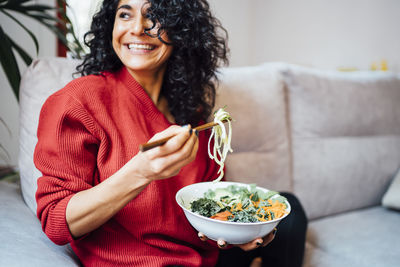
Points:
[(22, 241)]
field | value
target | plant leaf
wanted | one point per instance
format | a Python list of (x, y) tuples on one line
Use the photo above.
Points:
[(5, 152), (13, 3), (31, 8), (25, 28), (57, 31), (24, 55), (38, 7), (17, 1), (5, 125), (42, 16), (9, 63)]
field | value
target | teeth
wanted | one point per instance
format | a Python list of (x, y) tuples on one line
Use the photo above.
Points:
[(141, 46)]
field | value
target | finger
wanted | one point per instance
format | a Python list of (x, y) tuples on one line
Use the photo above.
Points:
[(177, 142), (169, 132), (183, 156), (268, 238), (195, 148), (175, 168), (170, 165), (221, 243), (190, 149), (252, 245), (179, 136), (202, 236)]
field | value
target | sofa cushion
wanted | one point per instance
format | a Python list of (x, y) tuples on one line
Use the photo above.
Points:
[(345, 131), (391, 199), (255, 98), (41, 79), (22, 241), (367, 237)]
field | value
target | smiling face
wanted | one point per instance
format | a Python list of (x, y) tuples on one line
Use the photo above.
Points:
[(139, 52)]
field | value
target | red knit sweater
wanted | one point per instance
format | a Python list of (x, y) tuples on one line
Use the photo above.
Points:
[(89, 130)]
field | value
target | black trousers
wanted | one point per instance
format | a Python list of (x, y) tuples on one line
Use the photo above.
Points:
[(287, 248)]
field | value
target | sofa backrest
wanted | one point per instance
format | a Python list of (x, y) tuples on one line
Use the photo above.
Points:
[(255, 97), (345, 136), (331, 138)]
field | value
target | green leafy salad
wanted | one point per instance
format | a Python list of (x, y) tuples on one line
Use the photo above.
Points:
[(240, 204)]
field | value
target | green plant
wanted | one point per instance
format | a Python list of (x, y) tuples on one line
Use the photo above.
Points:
[(42, 14), (4, 155), (7, 172)]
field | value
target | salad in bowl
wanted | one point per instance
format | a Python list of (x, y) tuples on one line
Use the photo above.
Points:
[(235, 212)]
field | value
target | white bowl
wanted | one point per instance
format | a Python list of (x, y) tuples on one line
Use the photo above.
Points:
[(231, 232)]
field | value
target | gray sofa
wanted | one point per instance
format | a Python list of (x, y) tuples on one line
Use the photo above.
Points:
[(331, 138)]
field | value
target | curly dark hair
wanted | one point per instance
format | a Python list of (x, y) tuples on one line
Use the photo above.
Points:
[(200, 46)]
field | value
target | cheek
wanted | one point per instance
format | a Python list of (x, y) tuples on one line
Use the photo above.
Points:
[(114, 37), (153, 32), (113, 40), (166, 48), (115, 46), (168, 52), (164, 36), (164, 54), (117, 33)]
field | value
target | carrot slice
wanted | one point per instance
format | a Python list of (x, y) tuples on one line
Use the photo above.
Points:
[(222, 216)]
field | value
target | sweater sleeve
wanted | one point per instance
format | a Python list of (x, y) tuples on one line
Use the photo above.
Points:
[(66, 155)]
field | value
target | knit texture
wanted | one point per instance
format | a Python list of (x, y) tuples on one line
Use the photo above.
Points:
[(87, 131)]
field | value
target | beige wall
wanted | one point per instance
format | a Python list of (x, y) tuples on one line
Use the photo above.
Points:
[(320, 33), (325, 34)]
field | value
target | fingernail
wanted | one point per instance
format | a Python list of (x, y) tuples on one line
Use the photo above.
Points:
[(196, 132), (258, 243), (200, 235), (274, 231), (221, 243)]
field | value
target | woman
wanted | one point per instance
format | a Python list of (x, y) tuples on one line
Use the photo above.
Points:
[(150, 69)]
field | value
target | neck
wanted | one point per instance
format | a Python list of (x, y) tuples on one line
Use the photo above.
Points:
[(151, 82)]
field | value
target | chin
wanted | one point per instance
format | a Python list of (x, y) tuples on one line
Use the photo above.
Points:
[(137, 65)]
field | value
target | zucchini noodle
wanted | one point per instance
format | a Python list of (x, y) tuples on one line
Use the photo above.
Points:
[(222, 140)]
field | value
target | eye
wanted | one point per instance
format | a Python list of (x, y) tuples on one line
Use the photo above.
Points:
[(124, 15)]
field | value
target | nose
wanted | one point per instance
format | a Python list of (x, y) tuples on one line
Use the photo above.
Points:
[(138, 26)]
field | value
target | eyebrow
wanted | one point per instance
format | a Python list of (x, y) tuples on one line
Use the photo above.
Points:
[(125, 7)]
